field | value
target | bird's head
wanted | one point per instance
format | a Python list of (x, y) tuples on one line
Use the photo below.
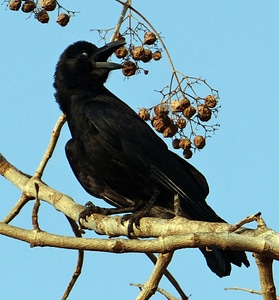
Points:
[(83, 64)]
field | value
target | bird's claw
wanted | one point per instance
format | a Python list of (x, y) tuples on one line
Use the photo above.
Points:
[(133, 219), (89, 209)]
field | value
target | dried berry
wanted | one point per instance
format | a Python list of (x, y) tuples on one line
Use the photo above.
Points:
[(204, 113), (121, 52), (181, 123), (210, 101), (189, 112), (161, 110), (119, 37), (187, 153), (185, 143), (14, 4), (138, 53), (48, 5), (144, 114), (28, 6), (149, 38), (170, 130), (179, 105), (147, 56), (159, 124), (199, 141), (42, 16), (63, 19), (156, 55), (175, 143), (129, 68)]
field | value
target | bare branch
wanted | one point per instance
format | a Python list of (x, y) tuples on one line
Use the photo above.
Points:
[(52, 143), (246, 220), (169, 276), (170, 235), (162, 291), (151, 285), (266, 276), (121, 18), (79, 265), (264, 243), (36, 207), (17, 208), (25, 183), (246, 290)]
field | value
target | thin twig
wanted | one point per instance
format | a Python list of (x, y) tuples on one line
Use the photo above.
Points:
[(52, 143), (121, 19), (17, 208), (246, 290), (169, 276), (154, 30), (38, 173), (79, 264), (160, 290), (36, 207), (151, 284), (244, 221)]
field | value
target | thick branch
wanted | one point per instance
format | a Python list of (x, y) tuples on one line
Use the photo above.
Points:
[(174, 234), (266, 277), (26, 184), (257, 244)]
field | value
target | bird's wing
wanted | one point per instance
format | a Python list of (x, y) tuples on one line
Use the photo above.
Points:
[(141, 149), (120, 126), (195, 174)]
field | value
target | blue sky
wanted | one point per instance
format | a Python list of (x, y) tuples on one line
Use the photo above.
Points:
[(234, 45)]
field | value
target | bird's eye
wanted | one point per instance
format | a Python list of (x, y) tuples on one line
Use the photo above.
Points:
[(84, 55)]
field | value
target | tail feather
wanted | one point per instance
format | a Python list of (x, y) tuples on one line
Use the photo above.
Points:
[(219, 261)]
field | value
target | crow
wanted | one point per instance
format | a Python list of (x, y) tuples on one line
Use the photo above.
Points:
[(116, 156)]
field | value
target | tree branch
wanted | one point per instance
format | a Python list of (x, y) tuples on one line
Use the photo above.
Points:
[(262, 241), (266, 276), (151, 285), (52, 143), (171, 279), (169, 235), (261, 244)]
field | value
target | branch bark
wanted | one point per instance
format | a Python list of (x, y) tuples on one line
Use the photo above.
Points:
[(266, 276), (151, 285)]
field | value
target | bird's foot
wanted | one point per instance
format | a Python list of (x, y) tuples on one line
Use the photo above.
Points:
[(90, 209), (134, 219)]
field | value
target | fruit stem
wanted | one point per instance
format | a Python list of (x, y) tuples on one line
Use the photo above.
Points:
[(126, 6)]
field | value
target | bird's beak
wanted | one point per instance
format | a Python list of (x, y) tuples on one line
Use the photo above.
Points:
[(100, 60)]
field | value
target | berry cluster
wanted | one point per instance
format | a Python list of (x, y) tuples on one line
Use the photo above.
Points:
[(182, 113), (134, 54), (174, 115), (141, 46), (41, 10)]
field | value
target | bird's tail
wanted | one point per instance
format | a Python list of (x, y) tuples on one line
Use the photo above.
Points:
[(219, 261)]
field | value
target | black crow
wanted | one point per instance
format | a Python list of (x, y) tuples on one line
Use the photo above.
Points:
[(116, 156)]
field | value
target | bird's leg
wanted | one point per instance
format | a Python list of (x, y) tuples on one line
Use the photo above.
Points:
[(90, 209), (176, 205), (135, 217)]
